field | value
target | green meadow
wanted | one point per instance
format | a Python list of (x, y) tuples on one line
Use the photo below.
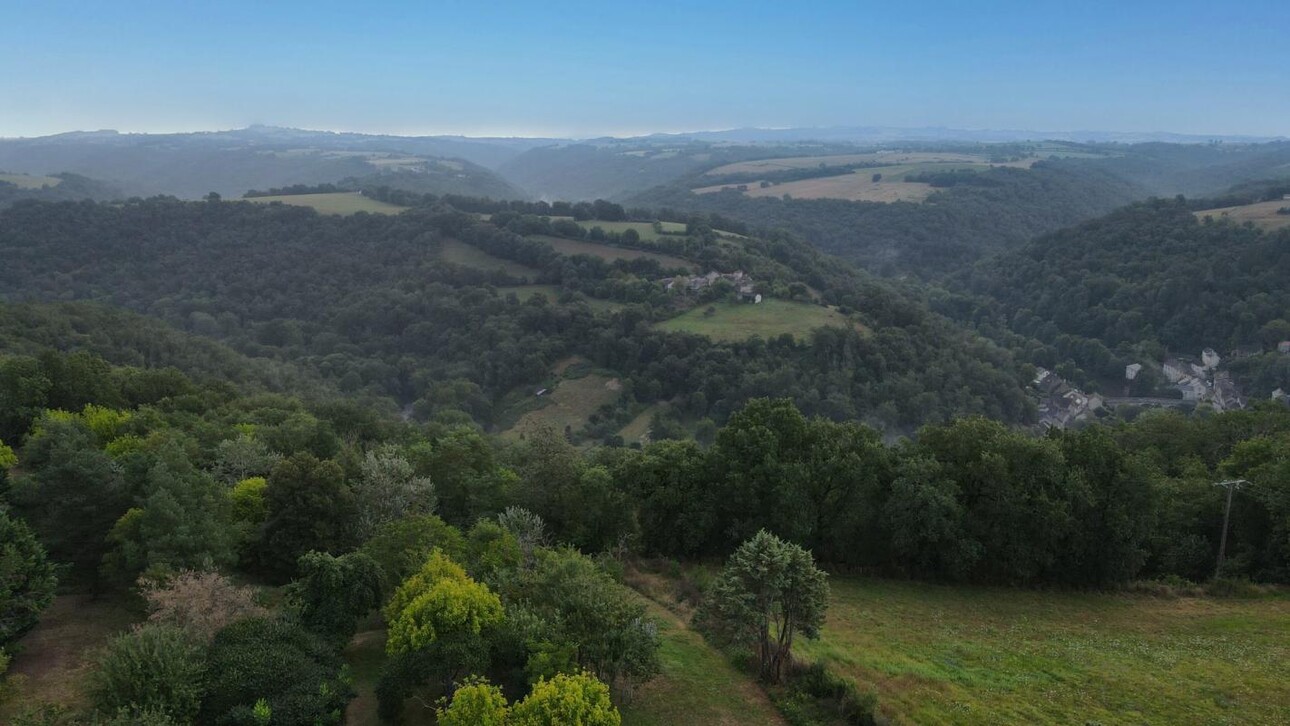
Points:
[(333, 203), (973, 655), (733, 321)]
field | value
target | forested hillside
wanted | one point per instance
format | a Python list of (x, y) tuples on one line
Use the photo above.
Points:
[(619, 168), (1145, 282), (448, 176), (970, 215), (123, 338), (232, 162), (377, 305), (952, 227), (1191, 169), (56, 188)]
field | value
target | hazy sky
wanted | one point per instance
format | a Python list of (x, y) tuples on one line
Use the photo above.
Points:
[(581, 69)]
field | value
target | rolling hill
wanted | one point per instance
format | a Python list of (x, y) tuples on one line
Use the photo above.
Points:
[(423, 315), (233, 162)]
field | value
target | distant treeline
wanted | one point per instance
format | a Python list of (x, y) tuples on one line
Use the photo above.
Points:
[(298, 189), (973, 501)]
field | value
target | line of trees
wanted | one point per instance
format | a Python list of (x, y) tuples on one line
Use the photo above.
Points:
[(974, 501)]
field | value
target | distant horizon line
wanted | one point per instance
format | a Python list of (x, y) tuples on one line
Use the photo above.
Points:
[(624, 135)]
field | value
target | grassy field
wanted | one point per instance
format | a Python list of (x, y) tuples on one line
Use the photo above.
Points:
[(637, 430), (1262, 214), (851, 187), (644, 229), (964, 655), (460, 253), (26, 181), (609, 253), (569, 403), (857, 186), (740, 321), (52, 660), (333, 203), (886, 158), (698, 685)]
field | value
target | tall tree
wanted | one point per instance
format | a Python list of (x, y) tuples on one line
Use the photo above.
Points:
[(27, 579), (310, 508), (333, 593), (71, 492), (388, 489), (769, 592)]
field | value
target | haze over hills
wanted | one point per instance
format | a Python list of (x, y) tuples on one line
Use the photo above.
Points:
[(232, 162), (879, 134)]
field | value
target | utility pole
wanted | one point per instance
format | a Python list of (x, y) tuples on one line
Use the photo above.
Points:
[(1231, 486)]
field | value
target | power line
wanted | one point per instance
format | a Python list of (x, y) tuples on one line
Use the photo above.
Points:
[(1231, 485)]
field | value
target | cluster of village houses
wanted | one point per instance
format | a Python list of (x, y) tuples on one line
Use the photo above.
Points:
[(1062, 405), (741, 281)]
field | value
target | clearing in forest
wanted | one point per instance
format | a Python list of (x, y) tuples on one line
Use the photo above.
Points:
[(333, 202), (644, 229), (52, 661), (27, 181), (854, 187), (609, 253), (460, 253), (1262, 214), (569, 403), (887, 158), (698, 685), (637, 430), (859, 185), (731, 321), (938, 654)]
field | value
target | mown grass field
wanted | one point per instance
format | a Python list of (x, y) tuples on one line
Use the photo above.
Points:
[(460, 253), (851, 187), (807, 162), (857, 186), (53, 659), (637, 430), (26, 181), (570, 402), (609, 253), (966, 655), (644, 229), (698, 685), (732, 321), (333, 203), (1262, 214)]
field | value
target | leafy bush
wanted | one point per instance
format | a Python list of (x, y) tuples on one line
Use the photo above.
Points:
[(294, 672), (27, 578), (153, 668)]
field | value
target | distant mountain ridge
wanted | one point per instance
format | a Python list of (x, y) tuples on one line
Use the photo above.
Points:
[(190, 165), (882, 134)]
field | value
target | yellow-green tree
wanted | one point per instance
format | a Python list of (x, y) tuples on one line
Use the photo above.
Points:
[(578, 698), (475, 703), (441, 611), (567, 699)]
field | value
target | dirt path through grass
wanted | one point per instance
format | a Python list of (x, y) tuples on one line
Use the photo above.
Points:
[(698, 685)]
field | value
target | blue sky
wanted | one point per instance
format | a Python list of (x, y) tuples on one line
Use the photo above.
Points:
[(582, 69)]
